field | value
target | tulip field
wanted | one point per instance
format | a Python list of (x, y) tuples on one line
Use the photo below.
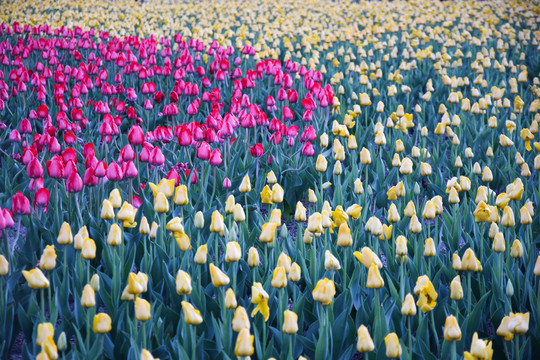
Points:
[(269, 179)]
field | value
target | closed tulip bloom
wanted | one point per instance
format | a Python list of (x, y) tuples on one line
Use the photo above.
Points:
[(300, 213), (525, 216), (324, 291), (233, 252), (48, 258), (393, 214), (268, 232), (144, 227), (88, 298), (374, 279), (181, 195), (135, 286), (503, 329), (487, 175), (482, 349), (482, 212), (277, 194), (107, 210), (115, 198), (429, 211), (393, 347), (142, 309), (516, 251), (271, 177), (4, 265), (331, 263), (102, 323), (127, 214), (358, 187), (367, 257), (253, 257), (115, 235), (285, 261), (312, 198), (344, 236), (295, 273), (266, 195), (94, 282), (498, 243), (201, 254), (508, 217), (240, 320), (199, 220), (364, 343), (65, 237), (126, 296), (408, 308), (401, 246), (183, 283), (354, 211), (244, 344), (275, 217), (415, 226), (50, 348), (245, 186), (290, 322), (229, 204), (321, 164), (218, 277), (365, 156), (469, 261), (230, 299), (175, 225), (519, 323), (88, 250), (78, 240), (192, 316), (493, 230), (45, 330), (217, 225), (452, 332), (456, 262), (406, 166), (279, 278), (146, 355), (410, 209), (429, 248), (453, 197), (161, 204), (456, 291)]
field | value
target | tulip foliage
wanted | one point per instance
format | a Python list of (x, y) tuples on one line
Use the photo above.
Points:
[(269, 179)]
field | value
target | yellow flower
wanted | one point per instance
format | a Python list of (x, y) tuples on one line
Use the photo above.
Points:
[(181, 196), (88, 298), (217, 225), (275, 217), (219, 278), (519, 323), (481, 348), (452, 332), (233, 252), (393, 347), (285, 261), (271, 177), (426, 294), (406, 166), (321, 164), (429, 248), (4, 265), (127, 214), (339, 216), (201, 254), (364, 343), (374, 279), (536, 270), (503, 329), (48, 258), (102, 323), (324, 291), (408, 308), (142, 309), (331, 263), (161, 204), (240, 320), (183, 283), (469, 261), (253, 257), (199, 220), (165, 186), (277, 194), (367, 257), (88, 249), (245, 186), (244, 344), (115, 198), (516, 251), (456, 291), (44, 331), (429, 211), (147, 355), (144, 227), (230, 299), (300, 213), (401, 246), (268, 232), (344, 236), (192, 316), (65, 237), (354, 211), (482, 212), (50, 348), (295, 273), (266, 195), (279, 278), (115, 235), (290, 322)]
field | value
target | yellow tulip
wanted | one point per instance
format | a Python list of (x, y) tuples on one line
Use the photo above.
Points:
[(364, 343), (393, 347), (107, 210), (135, 286), (275, 217), (146, 355), (481, 349), (245, 186), (285, 261), (279, 278), (115, 235), (429, 211), (410, 209), (181, 196), (230, 299), (45, 330), (165, 186), (354, 211), (201, 254), (408, 308), (482, 212), (300, 213), (367, 257), (344, 236), (508, 217), (427, 295), (244, 344), (102, 323), (88, 298), (277, 194), (217, 225), (374, 279), (469, 261), (183, 283), (290, 322), (295, 273), (271, 177), (240, 320), (127, 214), (36, 279), (519, 323), (4, 265), (324, 291), (142, 309), (253, 257), (401, 246), (50, 348), (94, 282), (452, 332), (321, 164), (161, 204), (266, 195), (536, 270), (268, 232), (115, 198), (65, 237), (429, 248), (48, 258), (192, 316), (153, 230), (415, 226), (233, 252), (516, 251), (219, 278), (199, 220), (312, 198), (365, 156), (144, 227)]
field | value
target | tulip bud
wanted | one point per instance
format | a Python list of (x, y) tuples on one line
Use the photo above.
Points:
[(65, 237), (88, 298), (107, 210), (44, 331), (36, 279), (230, 299), (452, 332), (364, 343), (233, 252), (295, 273), (102, 323), (199, 220), (456, 291), (253, 257), (161, 204), (183, 283), (324, 291), (115, 235), (94, 282), (142, 309), (144, 227), (374, 280), (153, 230), (240, 320), (244, 344), (4, 265), (192, 316), (393, 347), (408, 308), (219, 278), (48, 258), (62, 341), (290, 322), (245, 186)]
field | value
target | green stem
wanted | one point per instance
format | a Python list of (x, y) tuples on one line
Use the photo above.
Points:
[(42, 294), (454, 352), (469, 292), (193, 342), (434, 331), (409, 329)]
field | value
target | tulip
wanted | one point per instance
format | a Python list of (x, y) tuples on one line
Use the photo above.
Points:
[(4, 265), (268, 232), (364, 343), (135, 284), (230, 299), (244, 344), (321, 164), (367, 257), (393, 347), (295, 273), (401, 246), (518, 323), (279, 278), (44, 331), (480, 348), (290, 322), (245, 186), (266, 195), (107, 210), (344, 236), (374, 280), (240, 320), (331, 263), (233, 252), (146, 355), (217, 225), (20, 204), (516, 251), (469, 261), (142, 309), (161, 204), (102, 323), (153, 230), (452, 332), (181, 196), (408, 308), (253, 257), (183, 283), (324, 291), (65, 237), (277, 194), (429, 248), (426, 294), (199, 220), (115, 235), (201, 254), (115, 198), (88, 298), (88, 249), (36, 279), (48, 258), (218, 277)]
